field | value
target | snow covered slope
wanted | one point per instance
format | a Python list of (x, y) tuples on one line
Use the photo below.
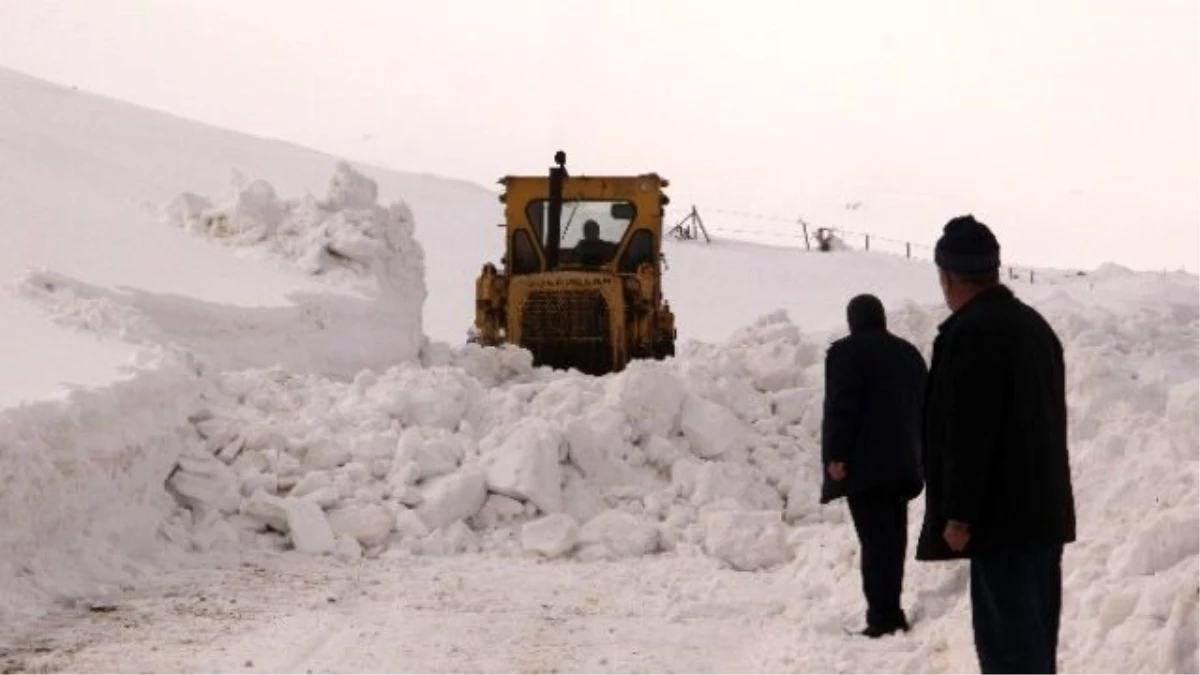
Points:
[(281, 402), (85, 184)]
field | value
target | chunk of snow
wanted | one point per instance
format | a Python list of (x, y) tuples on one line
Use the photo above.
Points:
[(325, 454), (288, 471), (715, 481), (369, 524), (773, 366), (451, 498), (326, 497), (526, 465), (311, 482), (268, 510), (409, 525), (582, 499), (404, 473), (252, 481), (497, 511), (350, 189), (662, 453), (217, 488), (347, 548), (458, 538), (551, 536), (308, 528), (590, 440), (620, 534), (213, 533), (747, 540), (650, 397), (712, 430), (791, 404), (435, 451)]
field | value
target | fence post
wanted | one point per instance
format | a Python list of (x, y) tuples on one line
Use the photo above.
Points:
[(1031, 276), (907, 250), (807, 245), (868, 238)]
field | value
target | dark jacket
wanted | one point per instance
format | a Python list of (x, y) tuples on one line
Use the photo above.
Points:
[(874, 382), (594, 252), (995, 452)]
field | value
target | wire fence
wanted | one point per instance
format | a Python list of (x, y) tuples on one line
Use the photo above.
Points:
[(813, 237)]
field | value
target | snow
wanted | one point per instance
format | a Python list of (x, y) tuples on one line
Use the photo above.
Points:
[(747, 540), (449, 499), (525, 464), (81, 360), (310, 531), (551, 536), (619, 534), (712, 430), (223, 370), (369, 524)]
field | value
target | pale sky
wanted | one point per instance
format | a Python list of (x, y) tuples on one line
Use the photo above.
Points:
[(1070, 126)]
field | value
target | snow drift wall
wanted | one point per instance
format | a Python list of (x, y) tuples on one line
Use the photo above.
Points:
[(82, 491), (348, 240), (369, 318)]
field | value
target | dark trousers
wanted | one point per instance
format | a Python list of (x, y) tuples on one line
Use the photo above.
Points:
[(881, 519), (1016, 600)]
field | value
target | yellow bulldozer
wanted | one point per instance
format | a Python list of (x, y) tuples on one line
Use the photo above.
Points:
[(580, 283)]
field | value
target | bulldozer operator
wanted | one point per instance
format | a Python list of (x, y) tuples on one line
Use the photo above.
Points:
[(592, 251)]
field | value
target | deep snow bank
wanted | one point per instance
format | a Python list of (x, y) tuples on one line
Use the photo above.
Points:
[(90, 483), (82, 486)]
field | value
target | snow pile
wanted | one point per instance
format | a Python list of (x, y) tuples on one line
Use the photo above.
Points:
[(714, 453), (347, 237), (487, 452)]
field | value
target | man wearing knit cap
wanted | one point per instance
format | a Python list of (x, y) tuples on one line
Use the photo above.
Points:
[(997, 475), (871, 448)]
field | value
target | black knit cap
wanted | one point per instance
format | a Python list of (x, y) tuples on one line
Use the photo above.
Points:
[(865, 312), (967, 246)]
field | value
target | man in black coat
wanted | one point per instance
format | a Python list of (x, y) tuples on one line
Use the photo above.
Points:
[(592, 251), (870, 448), (998, 479)]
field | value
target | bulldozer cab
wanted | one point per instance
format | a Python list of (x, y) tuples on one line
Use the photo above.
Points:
[(613, 223), (580, 285)]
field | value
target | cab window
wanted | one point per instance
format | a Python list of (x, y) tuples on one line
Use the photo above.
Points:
[(591, 230)]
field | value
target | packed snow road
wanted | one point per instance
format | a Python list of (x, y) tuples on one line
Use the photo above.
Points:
[(292, 613)]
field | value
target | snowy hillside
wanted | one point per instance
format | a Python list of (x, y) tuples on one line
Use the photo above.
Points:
[(265, 445), (87, 181)]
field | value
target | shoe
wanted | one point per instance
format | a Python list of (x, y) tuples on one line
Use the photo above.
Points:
[(880, 631)]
